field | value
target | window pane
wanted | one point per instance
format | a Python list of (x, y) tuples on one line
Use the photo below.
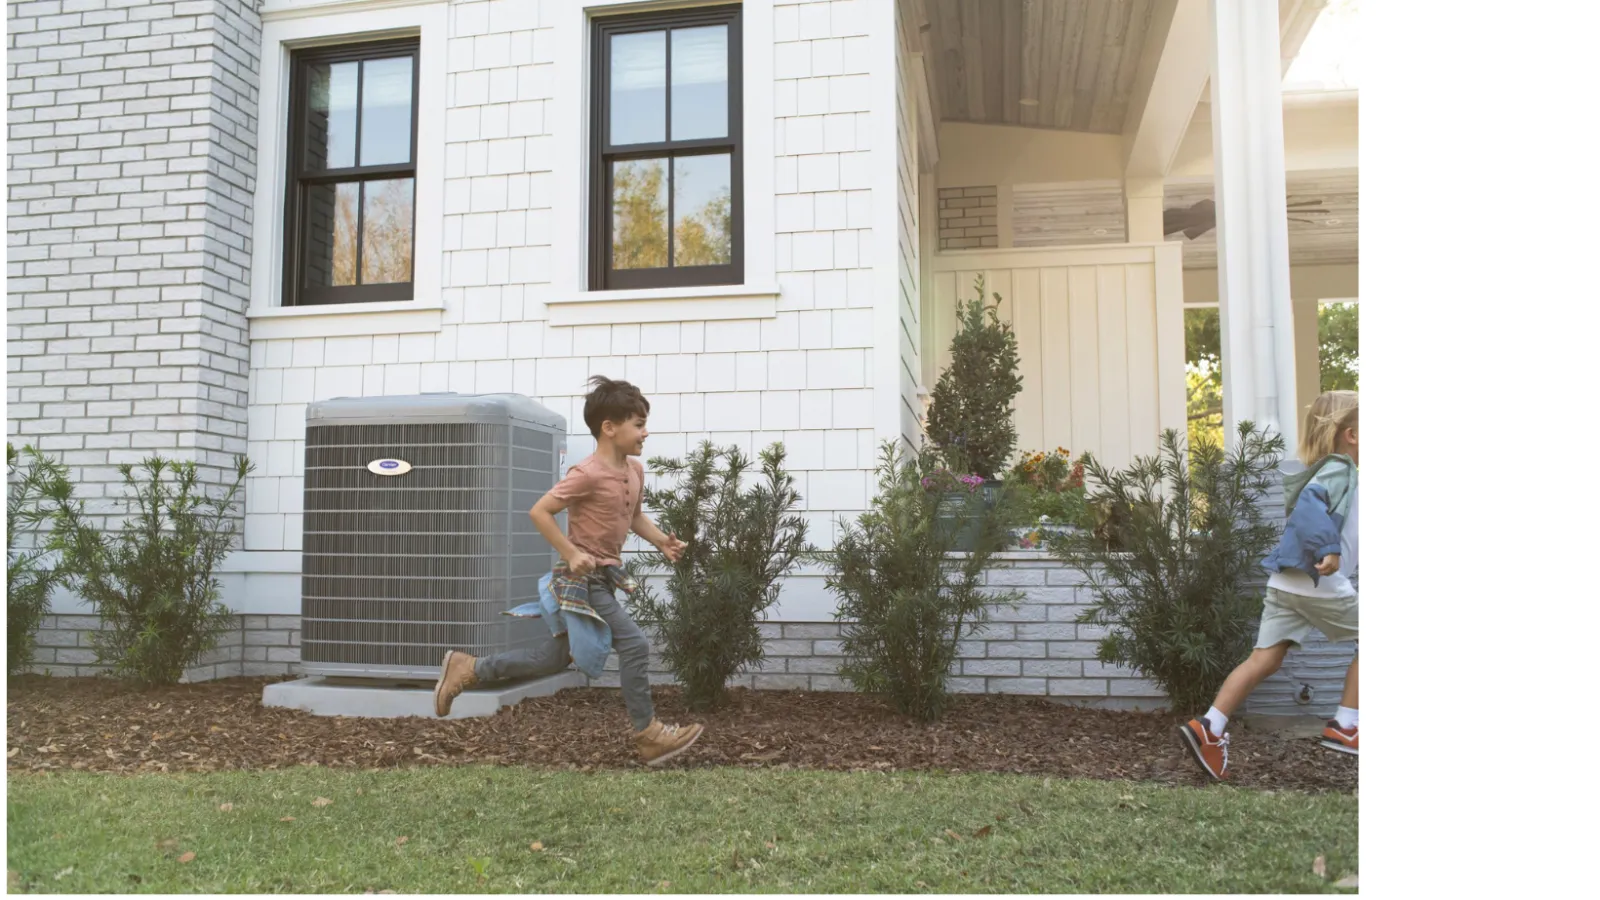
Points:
[(330, 234), (700, 83), (639, 88), (702, 209), (386, 111), (386, 220), (639, 214), (331, 118)]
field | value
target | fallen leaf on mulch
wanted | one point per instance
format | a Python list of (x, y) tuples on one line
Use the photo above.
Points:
[(13, 752), (322, 801), (536, 846), (80, 719), (1319, 867), (187, 857), (1349, 881)]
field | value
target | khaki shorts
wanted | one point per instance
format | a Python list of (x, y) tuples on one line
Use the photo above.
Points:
[(1290, 617)]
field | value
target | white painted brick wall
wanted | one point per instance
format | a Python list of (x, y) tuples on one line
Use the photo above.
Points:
[(131, 159), (802, 377)]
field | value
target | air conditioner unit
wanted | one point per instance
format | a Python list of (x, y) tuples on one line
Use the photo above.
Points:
[(417, 534)]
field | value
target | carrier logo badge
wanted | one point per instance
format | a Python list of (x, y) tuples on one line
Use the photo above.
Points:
[(388, 467)]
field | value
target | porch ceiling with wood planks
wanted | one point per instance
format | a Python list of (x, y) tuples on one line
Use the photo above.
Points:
[(1070, 65)]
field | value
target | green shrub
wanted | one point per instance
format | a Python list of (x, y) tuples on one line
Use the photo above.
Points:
[(1176, 585), (29, 575), (904, 603), (969, 417), (740, 541), (152, 581)]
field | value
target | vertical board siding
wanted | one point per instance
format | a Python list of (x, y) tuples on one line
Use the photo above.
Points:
[(1100, 335)]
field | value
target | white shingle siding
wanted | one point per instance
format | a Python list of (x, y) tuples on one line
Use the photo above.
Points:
[(132, 132), (134, 200), (907, 206), (803, 376)]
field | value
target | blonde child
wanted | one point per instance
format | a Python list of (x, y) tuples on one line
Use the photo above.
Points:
[(1312, 583), (603, 495)]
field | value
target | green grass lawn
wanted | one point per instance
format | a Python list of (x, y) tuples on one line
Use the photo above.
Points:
[(469, 830)]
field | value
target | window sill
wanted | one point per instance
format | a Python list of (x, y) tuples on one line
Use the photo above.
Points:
[(736, 301), (680, 293), (345, 320)]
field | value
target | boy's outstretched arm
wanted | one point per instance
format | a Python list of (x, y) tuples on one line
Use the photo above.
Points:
[(666, 543)]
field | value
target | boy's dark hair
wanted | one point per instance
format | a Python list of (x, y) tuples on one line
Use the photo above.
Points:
[(612, 401)]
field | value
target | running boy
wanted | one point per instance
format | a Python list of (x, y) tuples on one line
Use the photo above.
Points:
[(1311, 583), (605, 495)]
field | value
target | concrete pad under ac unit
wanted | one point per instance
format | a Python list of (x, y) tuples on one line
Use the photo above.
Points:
[(322, 696)]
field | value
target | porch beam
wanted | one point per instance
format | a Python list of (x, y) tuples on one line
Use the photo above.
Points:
[(1257, 312), (1172, 78)]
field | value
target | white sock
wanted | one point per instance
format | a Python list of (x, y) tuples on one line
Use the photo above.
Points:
[(1347, 717), (1216, 720)]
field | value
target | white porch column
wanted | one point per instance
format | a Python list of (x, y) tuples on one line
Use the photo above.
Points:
[(1142, 201), (1258, 369), (1307, 355)]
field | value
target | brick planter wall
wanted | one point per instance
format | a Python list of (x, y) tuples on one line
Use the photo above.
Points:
[(1033, 648), (257, 645)]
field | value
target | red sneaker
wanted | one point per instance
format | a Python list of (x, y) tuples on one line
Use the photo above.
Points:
[(1344, 741), (1209, 750)]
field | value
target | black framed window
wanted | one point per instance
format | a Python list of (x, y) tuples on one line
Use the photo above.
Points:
[(666, 185), (350, 213)]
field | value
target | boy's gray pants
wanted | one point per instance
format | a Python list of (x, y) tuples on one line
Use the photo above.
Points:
[(549, 655)]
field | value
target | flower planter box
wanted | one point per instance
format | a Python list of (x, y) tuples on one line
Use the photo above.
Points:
[(1036, 537), (953, 513)]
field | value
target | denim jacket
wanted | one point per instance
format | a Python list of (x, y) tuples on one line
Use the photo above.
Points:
[(1317, 500), (564, 605)]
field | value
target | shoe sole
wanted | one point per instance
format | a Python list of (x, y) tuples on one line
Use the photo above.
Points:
[(1193, 747), (1335, 745), (669, 756), (444, 668)]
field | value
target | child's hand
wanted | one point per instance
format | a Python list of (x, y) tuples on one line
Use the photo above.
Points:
[(581, 564), (672, 547), (1329, 564)]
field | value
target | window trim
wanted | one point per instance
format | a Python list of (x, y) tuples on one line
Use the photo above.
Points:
[(599, 152), (294, 294)]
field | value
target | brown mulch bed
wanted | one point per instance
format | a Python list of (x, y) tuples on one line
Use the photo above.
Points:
[(98, 725)]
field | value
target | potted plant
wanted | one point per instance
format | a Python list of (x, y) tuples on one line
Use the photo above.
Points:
[(970, 424), (1051, 497)]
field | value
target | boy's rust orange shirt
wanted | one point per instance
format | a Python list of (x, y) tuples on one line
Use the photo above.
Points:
[(601, 503)]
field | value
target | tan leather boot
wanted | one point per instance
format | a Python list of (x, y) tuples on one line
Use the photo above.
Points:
[(456, 674), (658, 743)]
